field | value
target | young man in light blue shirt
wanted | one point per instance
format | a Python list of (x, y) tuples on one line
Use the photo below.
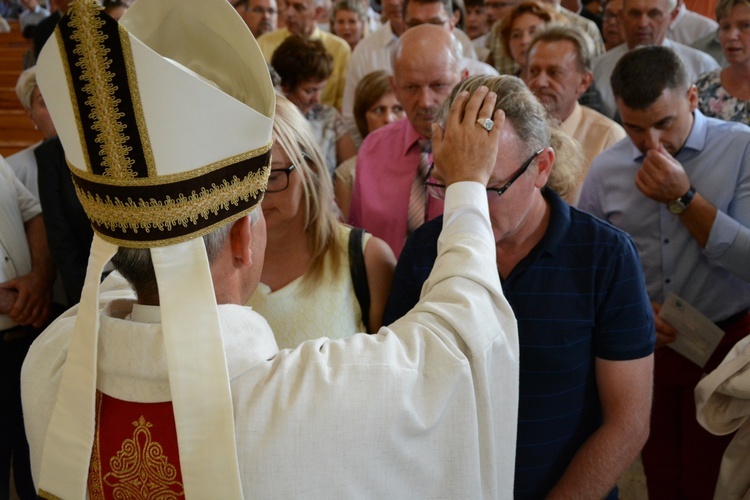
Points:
[(680, 185)]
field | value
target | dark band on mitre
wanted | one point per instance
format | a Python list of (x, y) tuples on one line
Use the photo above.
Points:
[(126, 201), (97, 56), (149, 215)]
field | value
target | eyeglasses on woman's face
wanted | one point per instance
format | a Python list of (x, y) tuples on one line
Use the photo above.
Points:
[(278, 180), (438, 190)]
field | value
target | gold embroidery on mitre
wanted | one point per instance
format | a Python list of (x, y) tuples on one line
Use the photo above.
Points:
[(150, 214), (135, 97), (141, 469), (160, 180), (72, 94), (94, 63)]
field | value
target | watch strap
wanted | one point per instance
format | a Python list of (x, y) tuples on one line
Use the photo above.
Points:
[(686, 198), (679, 205)]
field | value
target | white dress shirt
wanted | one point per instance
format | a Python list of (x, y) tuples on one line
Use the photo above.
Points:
[(17, 205), (689, 26)]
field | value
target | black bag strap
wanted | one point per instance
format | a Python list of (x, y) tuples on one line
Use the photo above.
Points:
[(359, 273)]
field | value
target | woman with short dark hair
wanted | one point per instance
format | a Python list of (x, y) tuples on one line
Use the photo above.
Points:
[(304, 67)]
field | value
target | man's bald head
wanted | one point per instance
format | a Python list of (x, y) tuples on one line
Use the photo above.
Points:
[(425, 41), (426, 66)]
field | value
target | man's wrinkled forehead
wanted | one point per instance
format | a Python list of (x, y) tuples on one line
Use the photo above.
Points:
[(416, 71), (665, 6)]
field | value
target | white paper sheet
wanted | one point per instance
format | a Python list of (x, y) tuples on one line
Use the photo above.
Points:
[(698, 336)]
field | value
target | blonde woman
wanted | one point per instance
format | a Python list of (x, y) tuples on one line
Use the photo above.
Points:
[(306, 288), (565, 176)]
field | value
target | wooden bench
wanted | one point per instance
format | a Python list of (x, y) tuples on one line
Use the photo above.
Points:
[(11, 63), (12, 47), (16, 131), (14, 38), (8, 148), (12, 51), (9, 99), (9, 78)]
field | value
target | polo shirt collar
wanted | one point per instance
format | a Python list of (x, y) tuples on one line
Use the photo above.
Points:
[(559, 223), (554, 236)]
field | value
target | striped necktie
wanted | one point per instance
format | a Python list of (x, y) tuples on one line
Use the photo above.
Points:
[(417, 213)]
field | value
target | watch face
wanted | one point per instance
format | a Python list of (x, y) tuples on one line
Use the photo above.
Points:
[(676, 207)]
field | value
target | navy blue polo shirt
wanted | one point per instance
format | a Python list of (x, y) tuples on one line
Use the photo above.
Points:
[(578, 295)]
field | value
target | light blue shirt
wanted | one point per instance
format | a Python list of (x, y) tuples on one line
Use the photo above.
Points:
[(716, 157)]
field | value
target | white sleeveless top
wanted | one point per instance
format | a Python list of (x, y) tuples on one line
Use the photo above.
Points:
[(328, 310)]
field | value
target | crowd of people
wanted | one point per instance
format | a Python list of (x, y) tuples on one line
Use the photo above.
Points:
[(537, 212)]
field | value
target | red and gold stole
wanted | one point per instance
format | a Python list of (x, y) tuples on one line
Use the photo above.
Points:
[(135, 451)]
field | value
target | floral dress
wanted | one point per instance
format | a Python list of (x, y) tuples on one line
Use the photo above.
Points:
[(715, 101)]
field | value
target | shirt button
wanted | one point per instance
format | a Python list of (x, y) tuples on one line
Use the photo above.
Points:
[(667, 281), (666, 240)]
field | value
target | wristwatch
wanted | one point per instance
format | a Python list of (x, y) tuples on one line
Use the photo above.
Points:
[(679, 205)]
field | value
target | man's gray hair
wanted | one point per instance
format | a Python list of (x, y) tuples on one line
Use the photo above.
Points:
[(584, 46), (522, 109), (25, 87), (671, 4), (136, 266)]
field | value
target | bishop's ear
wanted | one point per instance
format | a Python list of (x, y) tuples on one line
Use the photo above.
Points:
[(240, 240)]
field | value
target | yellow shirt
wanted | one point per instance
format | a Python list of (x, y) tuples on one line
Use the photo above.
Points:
[(333, 93), (594, 132)]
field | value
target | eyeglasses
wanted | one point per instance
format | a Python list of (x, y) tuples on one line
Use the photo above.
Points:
[(438, 190), (279, 179)]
